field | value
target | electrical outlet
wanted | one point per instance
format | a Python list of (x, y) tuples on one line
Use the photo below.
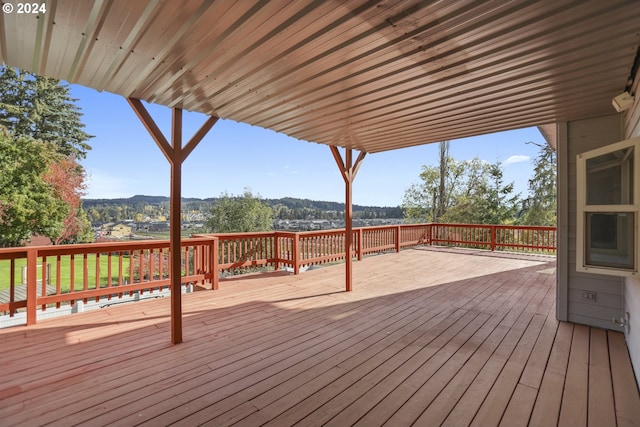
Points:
[(589, 296)]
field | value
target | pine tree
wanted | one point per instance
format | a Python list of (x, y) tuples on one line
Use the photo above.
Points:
[(42, 108), (541, 206), (498, 205)]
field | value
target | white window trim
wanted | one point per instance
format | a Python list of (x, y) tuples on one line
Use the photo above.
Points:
[(582, 208)]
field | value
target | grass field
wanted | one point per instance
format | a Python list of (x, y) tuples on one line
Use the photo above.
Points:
[(164, 235), (65, 271)]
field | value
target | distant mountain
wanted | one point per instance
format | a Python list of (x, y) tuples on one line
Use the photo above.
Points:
[(134, 200), (289, 202), (145, 208)]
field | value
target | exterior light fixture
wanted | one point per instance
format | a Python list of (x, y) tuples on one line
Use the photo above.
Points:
[(623, 101)]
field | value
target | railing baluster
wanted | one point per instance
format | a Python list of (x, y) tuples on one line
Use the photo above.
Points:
[(43, 284), (151, 267), (12, 284), (109, 273), (97, 269), (72, 275), (85, 274), (32, 285)]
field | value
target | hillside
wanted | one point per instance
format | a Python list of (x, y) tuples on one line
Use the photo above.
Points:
[(141, 207)]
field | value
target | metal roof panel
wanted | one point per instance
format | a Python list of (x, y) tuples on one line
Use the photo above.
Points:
[(373, 75)]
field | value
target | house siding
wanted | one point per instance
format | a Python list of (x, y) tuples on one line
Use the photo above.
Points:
[(577, 137), (632, 284)]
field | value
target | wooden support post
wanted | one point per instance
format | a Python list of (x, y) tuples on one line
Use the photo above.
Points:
[(348, 222), (348, 169), (493, 238), (432, 233), (32, 285), (213, 263), (296, 253), (276, 251), (175, 248), (176, 154), (398, 240)]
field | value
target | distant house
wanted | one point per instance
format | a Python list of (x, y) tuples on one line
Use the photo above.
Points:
[(158, 226), (119, 230), (38, 240)]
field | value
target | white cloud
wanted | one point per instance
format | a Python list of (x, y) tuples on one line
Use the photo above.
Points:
[(518, 158)]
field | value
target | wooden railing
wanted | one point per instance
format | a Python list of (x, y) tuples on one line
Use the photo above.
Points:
[(70, 274), (242, 251), (496, 237), (73, 273)]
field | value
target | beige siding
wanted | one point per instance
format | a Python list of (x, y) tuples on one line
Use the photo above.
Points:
[(632, 116), (584, 135)]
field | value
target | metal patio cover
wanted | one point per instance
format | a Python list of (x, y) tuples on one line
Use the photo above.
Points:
[(368, 75)]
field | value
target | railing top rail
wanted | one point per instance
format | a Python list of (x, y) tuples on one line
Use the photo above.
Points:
[(380, 227), (21, 252), (332, 231), (13, 253), (503, 226), (8, 253), (243, 234), (527, 227), (373, 227)]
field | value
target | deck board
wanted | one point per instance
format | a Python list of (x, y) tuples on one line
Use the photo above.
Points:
[(427, 337), (574, 399), (625, 390), (601, 409)]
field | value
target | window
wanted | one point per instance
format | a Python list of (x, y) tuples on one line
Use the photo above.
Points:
[(607, 208)]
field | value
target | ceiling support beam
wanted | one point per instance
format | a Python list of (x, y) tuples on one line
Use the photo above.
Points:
[(348, 170), (176, 154)]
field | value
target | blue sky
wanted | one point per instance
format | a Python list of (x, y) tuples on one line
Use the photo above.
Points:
[(125, 161)]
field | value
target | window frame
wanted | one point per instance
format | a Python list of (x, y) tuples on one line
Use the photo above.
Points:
[(583, 210)]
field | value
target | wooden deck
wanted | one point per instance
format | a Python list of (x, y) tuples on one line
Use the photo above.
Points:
[(426, 338)]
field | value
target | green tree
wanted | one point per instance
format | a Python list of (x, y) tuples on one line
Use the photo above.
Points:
[(430, 199), (235, 214), (471, 191), (468, 197), (37, 108), (42, 108), (486, 199), (541, 207), (28, 203)]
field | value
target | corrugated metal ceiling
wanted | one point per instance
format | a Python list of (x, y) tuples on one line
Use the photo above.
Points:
[(371, 75)]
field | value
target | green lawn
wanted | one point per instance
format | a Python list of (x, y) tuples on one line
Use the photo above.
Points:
[(164, 235), (65, 271)]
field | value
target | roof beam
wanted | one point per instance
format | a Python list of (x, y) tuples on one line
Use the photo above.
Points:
[(197, 137), (151, 127)]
